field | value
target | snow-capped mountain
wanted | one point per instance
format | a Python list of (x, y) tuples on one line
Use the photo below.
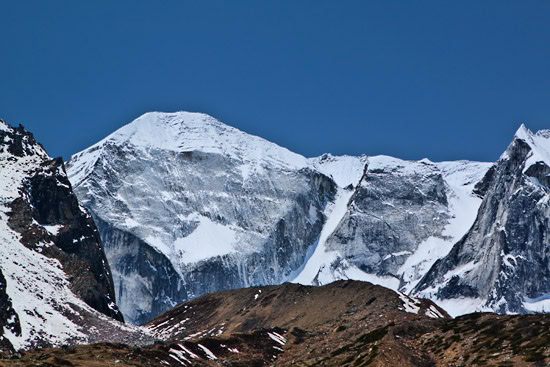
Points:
[(501, 264), (187, 205), (55, 283)]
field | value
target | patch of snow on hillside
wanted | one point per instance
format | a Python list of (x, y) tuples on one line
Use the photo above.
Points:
[(410, 305), (208, 240), (54, 229), (277, 337), (209, 354)]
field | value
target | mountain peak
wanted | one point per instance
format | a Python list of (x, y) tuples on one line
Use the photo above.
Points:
[(523, 133), (189, 132), (166, 130)]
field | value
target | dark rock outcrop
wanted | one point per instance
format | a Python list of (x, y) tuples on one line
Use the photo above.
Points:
[(55, 283)]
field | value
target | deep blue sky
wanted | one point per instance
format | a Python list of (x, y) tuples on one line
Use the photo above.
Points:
[(442, 79)]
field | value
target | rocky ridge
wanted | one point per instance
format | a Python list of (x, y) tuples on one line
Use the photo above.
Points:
[(346, 323), (501, 264), (55, 283)]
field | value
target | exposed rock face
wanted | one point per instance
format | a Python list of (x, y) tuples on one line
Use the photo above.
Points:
[(187, 205), (397, 221), (46, 199), (8, 317), (55, 281), (392, 211), (501, 264), (139, 269)]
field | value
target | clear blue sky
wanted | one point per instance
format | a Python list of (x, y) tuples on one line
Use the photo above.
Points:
[(437, 79)]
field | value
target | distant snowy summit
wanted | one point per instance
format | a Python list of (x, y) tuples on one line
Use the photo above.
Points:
[(187, 205)]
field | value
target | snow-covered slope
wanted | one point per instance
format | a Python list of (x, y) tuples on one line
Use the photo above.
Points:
[(187, 132), (55, 285), (187, 205), (501, 264), (344, 170)]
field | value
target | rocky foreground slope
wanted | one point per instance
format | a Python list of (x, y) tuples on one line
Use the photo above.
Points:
[(187, 205), (346, 323), (55, 283)]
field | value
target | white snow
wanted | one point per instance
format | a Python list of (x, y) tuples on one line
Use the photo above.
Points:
[(277, 337), (209, 239), (4, 126), (461, 306), (318, 265), (461, 177), (320, 257), (353, 272), (194, 132), (410, 304), (396, 254), (54, 229), (209, 354), (37, 285), (345, 170), (188, 131), (434, 313), (540, 304), (191, 354), (39, 290), (179, 356)]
